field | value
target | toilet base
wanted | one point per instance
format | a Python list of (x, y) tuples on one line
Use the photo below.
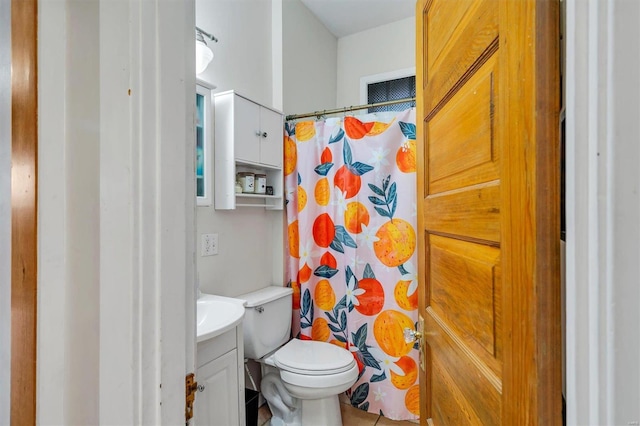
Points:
[(315, 412), (321, 412)]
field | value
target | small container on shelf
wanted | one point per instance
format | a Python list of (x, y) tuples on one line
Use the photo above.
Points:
[(260, 183), (247, 181)]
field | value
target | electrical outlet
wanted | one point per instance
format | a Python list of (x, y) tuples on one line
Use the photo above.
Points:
[(209, 244)]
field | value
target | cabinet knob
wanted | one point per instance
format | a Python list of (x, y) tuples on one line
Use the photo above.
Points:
[(258, 133), (201, 388)]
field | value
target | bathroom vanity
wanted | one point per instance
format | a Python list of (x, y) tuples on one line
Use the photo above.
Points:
[(220, 362)]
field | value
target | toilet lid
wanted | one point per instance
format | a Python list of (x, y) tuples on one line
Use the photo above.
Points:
[(313, 358)]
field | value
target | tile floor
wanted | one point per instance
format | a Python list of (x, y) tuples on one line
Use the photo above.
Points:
[(351, 416)]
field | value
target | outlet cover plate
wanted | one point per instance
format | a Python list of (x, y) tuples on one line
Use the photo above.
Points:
[(209, 244)]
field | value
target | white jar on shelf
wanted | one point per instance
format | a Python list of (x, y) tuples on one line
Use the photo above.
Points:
[(260, 183), (247, 181)]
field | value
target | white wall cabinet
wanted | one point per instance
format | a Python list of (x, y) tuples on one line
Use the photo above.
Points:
[(258, 136), (248, 137), (220, 377)]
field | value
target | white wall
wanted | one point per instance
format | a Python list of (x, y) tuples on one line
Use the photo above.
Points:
[(310, 61), (52, 333), (276, 54), (115, 150), (82, 196), (243, 54), (5, 210), (379, 50), (603, 212), (250, 240)]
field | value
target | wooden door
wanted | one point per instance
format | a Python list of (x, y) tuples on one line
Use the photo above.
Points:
[(488, 185)]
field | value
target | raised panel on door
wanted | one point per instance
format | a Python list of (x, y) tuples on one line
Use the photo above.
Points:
[(486, 176), (246, 125), (462, 149), (464, 294), (217, 404), (456, 52), (458, 382), (272, 137)]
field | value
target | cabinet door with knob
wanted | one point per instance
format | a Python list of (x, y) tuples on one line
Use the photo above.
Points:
[(257, 131), (247, 132), (216, 400), (220, 377), (271, 137)]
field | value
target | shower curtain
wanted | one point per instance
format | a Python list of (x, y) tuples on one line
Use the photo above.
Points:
[(351, 223)]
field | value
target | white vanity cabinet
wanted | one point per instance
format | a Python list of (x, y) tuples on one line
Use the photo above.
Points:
[(220, 377), (248, 138)]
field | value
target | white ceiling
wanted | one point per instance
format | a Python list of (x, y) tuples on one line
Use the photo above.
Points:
[(345, 17)]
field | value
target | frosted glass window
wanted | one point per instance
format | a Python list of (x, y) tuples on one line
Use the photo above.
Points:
[(391, 90)]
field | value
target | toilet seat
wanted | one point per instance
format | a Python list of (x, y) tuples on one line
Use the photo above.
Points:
[(311, 358), (313, 383)]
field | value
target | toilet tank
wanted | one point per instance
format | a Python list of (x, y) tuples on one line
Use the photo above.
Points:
[(267, 320)]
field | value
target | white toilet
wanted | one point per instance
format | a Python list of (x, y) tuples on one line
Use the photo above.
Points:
[(303, 378)]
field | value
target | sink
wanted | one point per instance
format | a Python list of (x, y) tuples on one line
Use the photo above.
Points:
[(217, 314)]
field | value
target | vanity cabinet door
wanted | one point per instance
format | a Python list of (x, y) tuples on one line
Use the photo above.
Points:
[(217, 403)]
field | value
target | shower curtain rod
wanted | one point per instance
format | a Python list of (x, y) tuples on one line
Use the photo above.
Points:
[(347, 109)]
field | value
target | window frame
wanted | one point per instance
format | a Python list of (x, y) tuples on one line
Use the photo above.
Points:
[(366, 80)]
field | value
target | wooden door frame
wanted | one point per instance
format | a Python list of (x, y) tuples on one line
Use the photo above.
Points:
[(24, 247), (5, 210)]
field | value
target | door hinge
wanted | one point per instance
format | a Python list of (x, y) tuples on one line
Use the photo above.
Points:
[(191, 386)]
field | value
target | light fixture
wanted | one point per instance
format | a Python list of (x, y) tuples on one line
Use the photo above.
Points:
[(204, 55)]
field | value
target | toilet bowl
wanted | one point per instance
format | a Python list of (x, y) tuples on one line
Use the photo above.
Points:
[(314, 370), (285, 409), (314, 373), (301, 378)]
